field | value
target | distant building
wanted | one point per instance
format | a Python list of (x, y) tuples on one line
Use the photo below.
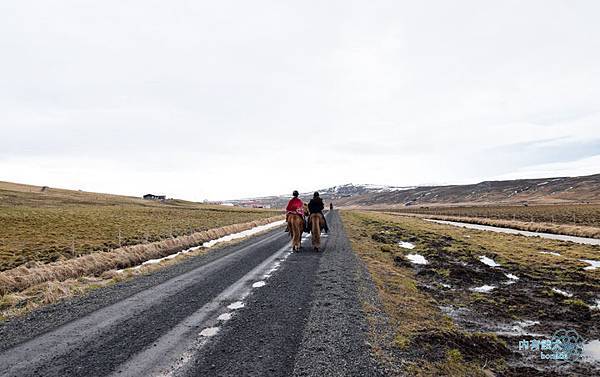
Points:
[(155, 197)]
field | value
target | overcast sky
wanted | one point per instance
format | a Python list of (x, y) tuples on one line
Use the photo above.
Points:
[(228, 99)]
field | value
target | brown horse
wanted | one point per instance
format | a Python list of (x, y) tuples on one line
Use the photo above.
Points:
[(296, 226), (316, 224)]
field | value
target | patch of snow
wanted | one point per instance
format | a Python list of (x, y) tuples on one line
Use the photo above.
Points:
[(209, 331), (259, 284), (593, 264), (591, 350), (488, 261), (406, 245), (561, 292), (235, 305), (550, 253), (596, 305), (417, 259), (527, 323), (511, 276), (230, 237), (245, 233), (445, 285), (484, 288)]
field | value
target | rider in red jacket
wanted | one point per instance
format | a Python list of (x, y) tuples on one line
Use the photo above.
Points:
[(294, 207)]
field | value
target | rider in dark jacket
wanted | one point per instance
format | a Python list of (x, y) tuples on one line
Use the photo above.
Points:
[(316, 206)]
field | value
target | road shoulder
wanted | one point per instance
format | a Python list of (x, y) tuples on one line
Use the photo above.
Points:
[(334, 341)]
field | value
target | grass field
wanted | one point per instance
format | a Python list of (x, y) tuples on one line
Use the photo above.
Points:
[(580, 215), (441, 325), (46, 225)]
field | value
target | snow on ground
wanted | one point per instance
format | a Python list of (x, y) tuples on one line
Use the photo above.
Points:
[(245, 233), (233, 236), (593, 264), (406, 245), (417, 259), (488, 261), (484, 288), (550, 253), (209, 331), (561, 292)]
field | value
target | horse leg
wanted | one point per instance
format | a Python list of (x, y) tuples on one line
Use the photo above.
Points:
[(316, 232)]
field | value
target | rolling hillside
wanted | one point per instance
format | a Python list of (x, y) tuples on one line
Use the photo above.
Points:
[(565, 190), (45, 224)]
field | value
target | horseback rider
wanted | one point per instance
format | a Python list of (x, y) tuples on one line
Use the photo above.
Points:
[(294, 207), (316, 206)]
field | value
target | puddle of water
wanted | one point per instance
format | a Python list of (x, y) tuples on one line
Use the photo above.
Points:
[(488, 261), (483, 289), (406, 245), (235, 305), (209, 331), (593, 264), (561, 292), (259, 284), (518, 328), (591, 350), (550, 253), (584, 240), (417, 259), (224, 317)]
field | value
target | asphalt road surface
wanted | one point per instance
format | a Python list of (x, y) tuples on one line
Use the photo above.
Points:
[(251, 309)]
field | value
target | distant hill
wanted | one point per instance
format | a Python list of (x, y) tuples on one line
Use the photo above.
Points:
[(335, 193), (520, 191)]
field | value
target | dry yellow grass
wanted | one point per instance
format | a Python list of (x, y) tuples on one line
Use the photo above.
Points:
[(94, 264), (412, 313), (48, 225)]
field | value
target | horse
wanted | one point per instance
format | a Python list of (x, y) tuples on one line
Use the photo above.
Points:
[(296, 226), (316, 223)]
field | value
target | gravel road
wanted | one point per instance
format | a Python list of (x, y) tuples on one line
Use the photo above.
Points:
[(250, 309)]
